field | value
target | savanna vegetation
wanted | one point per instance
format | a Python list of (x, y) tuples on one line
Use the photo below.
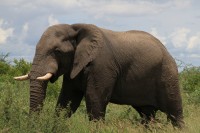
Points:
[(15, 118)]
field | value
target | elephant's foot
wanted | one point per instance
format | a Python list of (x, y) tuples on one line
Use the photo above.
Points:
[(147, 120), (177, 121), (96, 116)]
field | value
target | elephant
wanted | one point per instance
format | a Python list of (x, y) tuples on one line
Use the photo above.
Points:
[(104, 66)]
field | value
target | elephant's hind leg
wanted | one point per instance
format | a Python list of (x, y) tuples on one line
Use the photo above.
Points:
[(147, 113), (176, 121), (169, 97)]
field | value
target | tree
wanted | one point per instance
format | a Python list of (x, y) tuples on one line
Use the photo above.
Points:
[(4, 64), (3, 57), (22, 66)]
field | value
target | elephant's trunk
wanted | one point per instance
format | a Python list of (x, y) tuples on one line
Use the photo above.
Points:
[(37, 94), (37, 87), (42, 70)]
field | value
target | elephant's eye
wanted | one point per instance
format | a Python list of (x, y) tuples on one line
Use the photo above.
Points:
[(57, 52), (73, 42)]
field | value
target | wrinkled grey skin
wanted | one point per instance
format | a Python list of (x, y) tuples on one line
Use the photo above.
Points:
[(131, 68)]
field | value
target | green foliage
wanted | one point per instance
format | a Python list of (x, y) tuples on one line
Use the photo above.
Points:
[(4, 64), (190, 82), (3, 57), (54, 89), (4, 68), (21, 66), (9, 70)]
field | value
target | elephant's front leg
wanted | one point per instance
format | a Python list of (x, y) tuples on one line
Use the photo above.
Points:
[(70, 96), (98, 94), (96, 108)]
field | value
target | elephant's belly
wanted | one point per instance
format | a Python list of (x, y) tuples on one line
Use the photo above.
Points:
[(138, 93), (139, 100)]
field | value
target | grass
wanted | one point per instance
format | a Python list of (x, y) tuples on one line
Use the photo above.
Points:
[(15, 118)]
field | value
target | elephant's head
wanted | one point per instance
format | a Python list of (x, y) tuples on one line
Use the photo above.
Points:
[(62, 49)]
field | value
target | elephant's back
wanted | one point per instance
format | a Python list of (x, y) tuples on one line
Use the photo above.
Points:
[(132, 38), (135, 49)]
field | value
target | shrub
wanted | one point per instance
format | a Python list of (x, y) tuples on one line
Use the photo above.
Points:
[(4, 68), (4, 64), (21, 67), (190, 82), (53, 90)]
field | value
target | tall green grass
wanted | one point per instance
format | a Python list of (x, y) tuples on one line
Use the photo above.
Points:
[(15, 118)]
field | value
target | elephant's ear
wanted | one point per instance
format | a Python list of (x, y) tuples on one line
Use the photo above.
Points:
[(89, 43)]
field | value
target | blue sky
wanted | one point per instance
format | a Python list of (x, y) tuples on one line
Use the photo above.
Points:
[(175, 22)]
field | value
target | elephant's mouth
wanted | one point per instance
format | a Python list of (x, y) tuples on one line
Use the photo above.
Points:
[(53, 78)]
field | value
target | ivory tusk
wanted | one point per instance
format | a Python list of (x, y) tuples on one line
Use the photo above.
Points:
[(45, 77), (24, 77)]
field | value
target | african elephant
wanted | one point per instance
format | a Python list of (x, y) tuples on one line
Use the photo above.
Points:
[(132, 68)]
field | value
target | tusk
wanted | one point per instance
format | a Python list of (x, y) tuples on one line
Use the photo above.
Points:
[(45, 77), (24, 77)]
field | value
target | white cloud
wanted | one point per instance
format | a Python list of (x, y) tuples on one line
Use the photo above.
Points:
[(128, 7), (23, 3), (182, 3), (25, 27), (194, 42), (64, 3), (101, 8), (179, 37), (11, 2), (119, 7), (24, 32), (18, 40), (195, 55), (52, 20), (182, 38), (5, 33)]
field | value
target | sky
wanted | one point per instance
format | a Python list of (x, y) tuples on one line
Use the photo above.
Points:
[(176, 23)]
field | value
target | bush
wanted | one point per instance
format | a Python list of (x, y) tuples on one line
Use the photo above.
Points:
[(4, 68), (4, 64), (9, 70), (190, 82), (53, 90), (21, 67)]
